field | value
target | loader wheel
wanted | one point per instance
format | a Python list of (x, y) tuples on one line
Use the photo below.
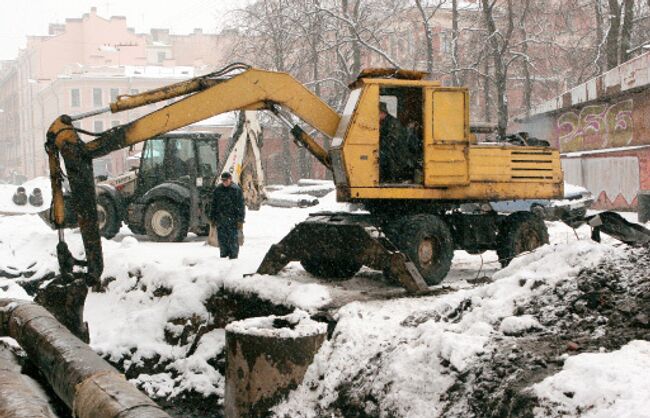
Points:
[(109, 224), (520, 232), (428, 243), (331, 269), (164, 221)]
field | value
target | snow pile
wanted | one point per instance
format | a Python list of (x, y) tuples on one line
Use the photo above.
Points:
[(303, 194), (27, 248), (517, 325), (600, 385), (400, 357), (295, 325), (192, 373)]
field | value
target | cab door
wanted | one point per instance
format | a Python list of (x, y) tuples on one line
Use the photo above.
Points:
[(446, 125)]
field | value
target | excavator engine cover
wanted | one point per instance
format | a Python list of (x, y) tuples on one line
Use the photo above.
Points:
[(336, 245)]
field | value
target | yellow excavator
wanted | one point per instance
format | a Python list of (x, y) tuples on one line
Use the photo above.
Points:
[(412, 224)]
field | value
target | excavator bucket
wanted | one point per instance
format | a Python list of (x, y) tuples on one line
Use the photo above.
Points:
[(336, 245), (614, 225)]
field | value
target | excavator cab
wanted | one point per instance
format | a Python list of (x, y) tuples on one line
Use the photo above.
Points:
[(401, 141)]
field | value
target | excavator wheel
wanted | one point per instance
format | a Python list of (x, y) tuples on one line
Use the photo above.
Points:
[(520, 232), (107, 219), (165, 221), (428, 243), (329, 268)]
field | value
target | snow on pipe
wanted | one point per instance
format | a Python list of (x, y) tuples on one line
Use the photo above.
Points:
[(20, 395), (85, 382)]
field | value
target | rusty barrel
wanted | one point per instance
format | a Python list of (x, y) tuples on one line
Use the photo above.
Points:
[(266, 358)]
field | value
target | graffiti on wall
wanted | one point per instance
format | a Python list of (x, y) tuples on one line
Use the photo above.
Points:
[(596, 126)]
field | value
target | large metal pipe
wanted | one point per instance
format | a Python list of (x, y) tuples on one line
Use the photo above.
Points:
[(85, 382), (20, 395)]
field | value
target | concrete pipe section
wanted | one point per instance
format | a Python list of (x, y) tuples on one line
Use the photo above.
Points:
[(266, 358), (86, 383)]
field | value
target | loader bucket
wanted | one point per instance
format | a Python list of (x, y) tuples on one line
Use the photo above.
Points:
[(333, 244)]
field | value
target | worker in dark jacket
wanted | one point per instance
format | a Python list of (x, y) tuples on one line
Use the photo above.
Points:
[(228, 212), (395, 160)]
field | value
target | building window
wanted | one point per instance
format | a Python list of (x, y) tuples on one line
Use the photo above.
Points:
[(115, 123), (98, 126), (161, 57), (97, 97), (75, 98), (114, 94)]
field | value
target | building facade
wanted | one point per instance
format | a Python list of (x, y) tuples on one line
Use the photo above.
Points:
[(81, 65)]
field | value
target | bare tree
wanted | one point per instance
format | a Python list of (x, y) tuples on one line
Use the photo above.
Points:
[(270, 42), (427, 12)]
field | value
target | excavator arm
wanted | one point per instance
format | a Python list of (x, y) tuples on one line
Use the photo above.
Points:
[(198, 99)]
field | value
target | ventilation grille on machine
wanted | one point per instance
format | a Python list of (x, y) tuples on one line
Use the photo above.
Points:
[(531, 165)]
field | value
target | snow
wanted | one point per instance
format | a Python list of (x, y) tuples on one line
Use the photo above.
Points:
[(301, 325), (517, 325), (191, 373), (603, 151), (573, 190), (600, 385)]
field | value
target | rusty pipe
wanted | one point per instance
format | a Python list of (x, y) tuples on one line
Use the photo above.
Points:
[(85, 382)]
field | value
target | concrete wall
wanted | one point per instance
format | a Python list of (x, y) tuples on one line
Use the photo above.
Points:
[(614, 178)]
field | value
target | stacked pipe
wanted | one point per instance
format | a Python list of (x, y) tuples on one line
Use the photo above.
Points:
[(20, 395), (85, 382)]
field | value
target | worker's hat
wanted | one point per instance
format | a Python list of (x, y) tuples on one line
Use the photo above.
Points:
[(226, 175)]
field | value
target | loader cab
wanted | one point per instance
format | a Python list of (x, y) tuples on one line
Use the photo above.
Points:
[(184, 158)]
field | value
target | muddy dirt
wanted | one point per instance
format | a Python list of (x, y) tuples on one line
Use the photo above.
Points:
[(601, 310)]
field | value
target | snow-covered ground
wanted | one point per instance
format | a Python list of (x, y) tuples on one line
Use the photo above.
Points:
[(388, 357)]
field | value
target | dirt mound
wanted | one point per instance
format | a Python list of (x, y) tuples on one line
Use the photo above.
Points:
[(604, 308)]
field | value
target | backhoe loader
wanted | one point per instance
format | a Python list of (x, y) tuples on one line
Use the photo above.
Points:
[(412, 225), (168, 195)]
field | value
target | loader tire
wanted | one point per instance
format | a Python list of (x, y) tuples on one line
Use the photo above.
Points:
[(107, 219), (165, 221), (426, 240), (520, 232), (331, 269)]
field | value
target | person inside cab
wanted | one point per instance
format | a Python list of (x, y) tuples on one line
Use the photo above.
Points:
[(397, 149)]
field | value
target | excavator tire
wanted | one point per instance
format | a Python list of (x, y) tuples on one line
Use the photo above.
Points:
[(520, 232), (165, 221), (107, 219), (330, 269), (428, 243)]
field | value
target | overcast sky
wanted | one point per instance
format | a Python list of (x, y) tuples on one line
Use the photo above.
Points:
[(19, 18)]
